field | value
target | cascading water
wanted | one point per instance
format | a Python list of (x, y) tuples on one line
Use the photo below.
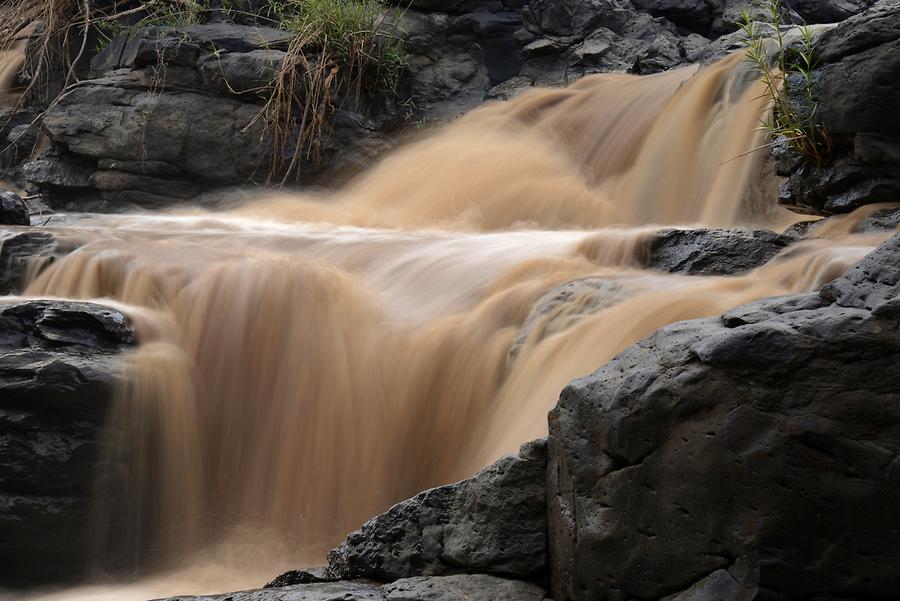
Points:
[(305, 362)]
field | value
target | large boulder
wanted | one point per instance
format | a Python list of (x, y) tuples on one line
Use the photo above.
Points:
[(828, 11), (13, 210), (712, 251), (566, 40), (21, 251), (173, 112), (482, 539), (494, 523), (58, 372), (179, 109), (857, 92), (874, 218), (752, 456)]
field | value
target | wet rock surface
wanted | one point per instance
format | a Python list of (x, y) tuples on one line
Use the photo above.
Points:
[(713, 251), (468, 587), (856, 92), (744, 457), (165, 114), (13, 210), (21, 250), (494, 522), (876, 220), (58, 366), (828, 11), (172, 112), (560, 308)]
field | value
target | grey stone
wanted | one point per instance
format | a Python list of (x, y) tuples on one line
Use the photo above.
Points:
[(55, 169), (58, 365), (467, 587), (763, 444), (493, 523), (541, 47), (327, 591), (880, 220), (207, 137), (870, 283), (713, 251), (13, 210), (241, 73), (856, 90), (20, 250), (304, 576), (157, 185), (184, 45), (560, 309), (694, 15), (470, 587), (828, 11)]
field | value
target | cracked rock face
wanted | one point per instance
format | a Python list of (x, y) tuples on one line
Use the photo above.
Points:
[(857, 92), (20, 251), (713, 251), (744, 457), (494, 522), (58, 366)]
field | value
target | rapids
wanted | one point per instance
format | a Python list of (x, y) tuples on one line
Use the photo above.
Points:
[(308, 360)]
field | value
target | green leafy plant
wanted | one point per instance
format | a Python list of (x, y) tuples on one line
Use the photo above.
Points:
[(783, 69)]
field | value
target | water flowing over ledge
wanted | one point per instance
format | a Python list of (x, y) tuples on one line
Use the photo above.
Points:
[(305, 362)]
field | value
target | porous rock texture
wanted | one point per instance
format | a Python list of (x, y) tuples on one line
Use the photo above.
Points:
[(467, 587), (168, 113), (494, 523), (871, 218), (175, 111), (482, 539), (752, 456), (857, 91), (13, 210), (712, 251), (58, 366), (20, 250)]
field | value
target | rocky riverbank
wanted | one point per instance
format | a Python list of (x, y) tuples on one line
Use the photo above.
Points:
[(161, 116), (712, 460), (749, 456)]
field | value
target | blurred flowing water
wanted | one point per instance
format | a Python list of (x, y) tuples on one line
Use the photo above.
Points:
[(306, 361)]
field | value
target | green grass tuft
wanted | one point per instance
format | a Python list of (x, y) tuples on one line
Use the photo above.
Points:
[(792, 117)]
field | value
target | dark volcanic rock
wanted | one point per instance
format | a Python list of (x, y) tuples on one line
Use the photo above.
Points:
[(205, 137), (874, 219), (183, 46), (713, 252), (192, 97), (857, 91), (471, 587), (466, 587), (880, 220), (573, 38), (828, 11), (19, 250), (560, 308), (174, 112), (327, 591), (13, 210), (752, 456), (492, 523), (307, 576), (58, 366)]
